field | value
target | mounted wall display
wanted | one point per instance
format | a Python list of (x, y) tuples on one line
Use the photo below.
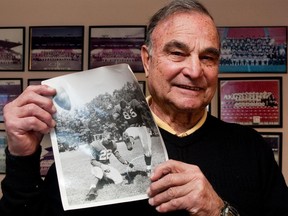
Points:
[(34, 81), (12, 46), (3, 144), (253, 49), (56, 48), (253, 101), (109, 45), (9, 90), (274, 139)]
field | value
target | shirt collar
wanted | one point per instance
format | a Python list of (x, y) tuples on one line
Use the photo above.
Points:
[(166, 127)]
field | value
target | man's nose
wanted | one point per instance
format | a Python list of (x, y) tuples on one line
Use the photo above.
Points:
[(193, 67)]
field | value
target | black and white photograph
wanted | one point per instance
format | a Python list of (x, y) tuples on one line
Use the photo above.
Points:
[(105, 142), (109, 45), (56, 48), (12, 44)]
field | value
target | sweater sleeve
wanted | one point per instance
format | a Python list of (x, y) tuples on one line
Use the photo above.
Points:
[(22, 184)]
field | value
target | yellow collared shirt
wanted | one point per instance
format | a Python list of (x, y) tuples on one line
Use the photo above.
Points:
[(166, 127)]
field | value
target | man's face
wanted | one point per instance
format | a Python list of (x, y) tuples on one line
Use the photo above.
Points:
[(182, 70)]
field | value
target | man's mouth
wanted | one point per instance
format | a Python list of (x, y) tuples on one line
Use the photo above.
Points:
[(193, 88)]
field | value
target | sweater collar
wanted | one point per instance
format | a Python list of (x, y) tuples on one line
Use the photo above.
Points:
[(166, 127)]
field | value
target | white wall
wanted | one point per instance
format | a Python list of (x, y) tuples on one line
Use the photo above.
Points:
[(137, 12)]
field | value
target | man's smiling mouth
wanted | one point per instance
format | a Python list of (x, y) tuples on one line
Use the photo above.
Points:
[(189, 87)]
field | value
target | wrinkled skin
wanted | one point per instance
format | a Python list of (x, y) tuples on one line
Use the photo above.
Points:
[(28, 118)]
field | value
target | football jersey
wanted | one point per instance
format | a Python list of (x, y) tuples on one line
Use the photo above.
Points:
[(102, 150), (131, 113)]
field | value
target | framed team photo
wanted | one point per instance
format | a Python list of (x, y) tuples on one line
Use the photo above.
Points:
[(253, 101), (275, 141), (34, 81), (12, 45), (109, 45), (9, 90), (3, 144), (253, 49), (56, 48)]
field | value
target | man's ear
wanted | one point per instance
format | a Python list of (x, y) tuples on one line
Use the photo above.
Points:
[(145, 59)]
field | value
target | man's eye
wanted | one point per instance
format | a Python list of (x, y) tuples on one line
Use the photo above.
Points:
[(176, 53), (209, 60), (176, 56)]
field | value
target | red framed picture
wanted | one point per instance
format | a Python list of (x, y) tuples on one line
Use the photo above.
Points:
[(253, 101)]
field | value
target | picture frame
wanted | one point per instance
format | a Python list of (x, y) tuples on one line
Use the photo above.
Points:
[(110, 45), (10, 88), (256, 49), (12, 51), (142, 84), (208, 107), (56, 48), (47, 156), (3, 145), (274, 139), (35, 81), (252, 101)]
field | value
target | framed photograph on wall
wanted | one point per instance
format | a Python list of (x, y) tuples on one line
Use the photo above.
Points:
[(47, 156), (9, 90), (12, 46), (253, 49), (34, 81), (275, 141), (253, 101), (3, 144), (208, 107), (143, 86), (110, 45), (56, 48)]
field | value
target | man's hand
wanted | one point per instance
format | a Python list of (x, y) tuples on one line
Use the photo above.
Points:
[(27, 118), (177, 185)]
